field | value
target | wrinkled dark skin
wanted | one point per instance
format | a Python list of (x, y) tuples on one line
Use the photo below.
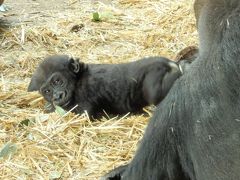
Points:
[(194, 133), (115, 88)]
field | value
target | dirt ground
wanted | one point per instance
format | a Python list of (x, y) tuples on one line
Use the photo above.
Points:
[(71, 147)]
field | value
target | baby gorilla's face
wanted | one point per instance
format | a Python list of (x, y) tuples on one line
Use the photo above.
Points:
[(58, 89), (55, 79)]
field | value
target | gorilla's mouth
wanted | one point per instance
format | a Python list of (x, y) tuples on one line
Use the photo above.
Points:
[(62, 99), (62, 104)]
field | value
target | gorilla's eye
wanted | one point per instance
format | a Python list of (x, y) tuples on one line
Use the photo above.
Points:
[(46, 91), (57, 82)]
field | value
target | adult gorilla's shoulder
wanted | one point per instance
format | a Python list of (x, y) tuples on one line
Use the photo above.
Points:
[(194, 132)]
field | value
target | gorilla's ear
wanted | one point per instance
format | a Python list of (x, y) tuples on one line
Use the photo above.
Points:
[(76, 66)]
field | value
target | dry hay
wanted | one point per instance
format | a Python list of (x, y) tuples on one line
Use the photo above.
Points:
[(71, 147)]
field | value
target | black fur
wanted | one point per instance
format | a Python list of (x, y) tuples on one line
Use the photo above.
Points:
[(195, 132), (116, 88)]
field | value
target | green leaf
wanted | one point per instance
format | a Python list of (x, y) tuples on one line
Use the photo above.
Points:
[(8, 149), (25, 122), (96, 16), (60, 111), (54, 175)]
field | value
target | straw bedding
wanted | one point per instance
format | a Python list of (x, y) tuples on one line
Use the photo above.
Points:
[(37, 145)]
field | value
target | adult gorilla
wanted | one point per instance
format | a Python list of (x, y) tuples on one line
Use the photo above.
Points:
[(195, 132)]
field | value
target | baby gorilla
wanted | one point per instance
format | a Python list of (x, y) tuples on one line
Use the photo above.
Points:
[(115, 88)]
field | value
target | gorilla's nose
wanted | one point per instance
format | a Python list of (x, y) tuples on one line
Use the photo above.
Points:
[(58, 96)]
